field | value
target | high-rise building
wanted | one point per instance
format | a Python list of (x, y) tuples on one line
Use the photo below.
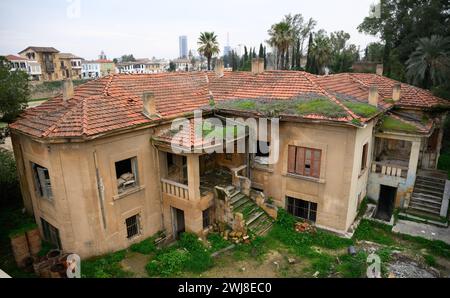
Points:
[(183, 46), (227, 48)]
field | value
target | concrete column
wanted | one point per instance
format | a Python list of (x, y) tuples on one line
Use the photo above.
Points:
[(193, 169), (413, 162)]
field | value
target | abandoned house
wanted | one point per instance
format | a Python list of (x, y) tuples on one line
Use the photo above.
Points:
[(98, 172)]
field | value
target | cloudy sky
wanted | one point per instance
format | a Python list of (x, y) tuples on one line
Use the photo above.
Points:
[(151, 28)]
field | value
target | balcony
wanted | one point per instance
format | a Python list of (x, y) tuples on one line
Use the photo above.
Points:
[(389, 168)]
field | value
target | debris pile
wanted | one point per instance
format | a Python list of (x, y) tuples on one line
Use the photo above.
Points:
[(304, 227)]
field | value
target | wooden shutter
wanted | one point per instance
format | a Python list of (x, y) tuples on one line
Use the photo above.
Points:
[(291, 159), (300, 164), (315, 163)]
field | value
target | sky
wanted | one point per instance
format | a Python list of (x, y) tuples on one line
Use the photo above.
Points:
[(151, 28)]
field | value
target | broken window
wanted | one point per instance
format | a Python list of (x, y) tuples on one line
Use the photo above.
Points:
[(51, 234), (364, 157), (42, 184), (207, 218), (132, 224), (302, 209), (262, 153), (304, 161), (126, 174)]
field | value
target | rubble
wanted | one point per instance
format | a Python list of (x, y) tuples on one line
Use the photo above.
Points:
[(304, 227)]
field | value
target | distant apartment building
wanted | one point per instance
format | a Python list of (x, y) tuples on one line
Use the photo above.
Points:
[(47, 58), (143, 66), (90, 69), (107, 67), (31, 67), (183, 64), (183, 46), (70, 66)]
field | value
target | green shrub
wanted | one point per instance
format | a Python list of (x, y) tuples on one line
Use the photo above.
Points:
[(430, 260), (375, 232), (107, 266), (199, 257), (9, 182), (170, 262), (145, 247), (217, 242), (353, 266)]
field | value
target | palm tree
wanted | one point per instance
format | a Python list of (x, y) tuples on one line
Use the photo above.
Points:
[(281, 38), (429, 64), (321, 52), (208, 46)]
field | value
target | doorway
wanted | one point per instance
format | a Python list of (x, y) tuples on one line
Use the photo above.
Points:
[(386, 202), (178, 223)]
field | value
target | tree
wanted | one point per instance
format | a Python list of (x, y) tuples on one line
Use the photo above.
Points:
[(172, 66), (343, 54), (281, 38), (127, 58), (400, 24), (208, 46), (321, 52), (309, 57), (374, 52), (429, 64), (14, 91)]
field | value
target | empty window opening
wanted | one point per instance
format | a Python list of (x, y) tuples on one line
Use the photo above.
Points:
[(126, 174), (132, 224), (51, 234), (207, 218), (364, 157), (43, 186), (302, 209)]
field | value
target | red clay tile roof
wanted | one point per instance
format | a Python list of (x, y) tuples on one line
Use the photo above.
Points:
[(114, 102), (15, 58)]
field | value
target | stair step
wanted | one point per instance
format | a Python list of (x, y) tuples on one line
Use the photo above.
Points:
[(255, 217), (418, 194), (432, 201), (424, 190), (264, 229), (431, 186), (424, 210), (431, 179), (236, 198), (240, 204), (426, 206), (250, 213)]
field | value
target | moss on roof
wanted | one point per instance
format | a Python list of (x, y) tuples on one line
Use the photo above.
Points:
[(361, 109), (319, 106), (392, 124)]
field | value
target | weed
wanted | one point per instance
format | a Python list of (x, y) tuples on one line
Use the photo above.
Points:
[(145, 247), (107, 266), (430, 260), (375, 232)]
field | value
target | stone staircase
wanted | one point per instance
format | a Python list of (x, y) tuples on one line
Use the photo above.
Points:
[(428, 194), (256, 219)]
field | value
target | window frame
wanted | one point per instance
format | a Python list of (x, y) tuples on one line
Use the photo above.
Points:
[(51, 233), (134, 228), (42, 181), (207, 221), (134, 170), (310, 209), (364, 157), (297, 164)]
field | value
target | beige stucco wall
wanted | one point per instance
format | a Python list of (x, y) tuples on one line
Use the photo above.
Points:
[(76, 209), (336, 191)]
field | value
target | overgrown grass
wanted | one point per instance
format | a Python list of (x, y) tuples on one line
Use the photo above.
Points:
[(217, 242), (188, 255), (392, 124), (321, 107), (375, 232), (107, 266), (145, 247), (361, 109)]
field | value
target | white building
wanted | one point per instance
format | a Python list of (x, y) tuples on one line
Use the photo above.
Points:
[(143, 66), (90, 69), (31, 67)]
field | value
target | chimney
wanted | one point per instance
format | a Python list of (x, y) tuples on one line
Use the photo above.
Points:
[(257, 65), (380, 69), (219, 68), (67, 89), (373, 96), (149, 102), (396, 93)]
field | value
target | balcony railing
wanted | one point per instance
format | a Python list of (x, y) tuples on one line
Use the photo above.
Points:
[(175, 189), (389, 169)]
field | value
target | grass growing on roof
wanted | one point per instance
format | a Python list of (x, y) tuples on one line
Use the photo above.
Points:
[(322, 107), (390, 123), (361, 109)]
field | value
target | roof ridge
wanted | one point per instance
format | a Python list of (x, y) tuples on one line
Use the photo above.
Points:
[(60, 120), (338, 102), (107, 85)]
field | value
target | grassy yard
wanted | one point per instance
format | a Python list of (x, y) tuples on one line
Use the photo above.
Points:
[(281, 253)]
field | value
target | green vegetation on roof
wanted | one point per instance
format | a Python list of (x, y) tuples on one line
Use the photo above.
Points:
[(361, 109), (3, 124), (319, 106), (393, 124)]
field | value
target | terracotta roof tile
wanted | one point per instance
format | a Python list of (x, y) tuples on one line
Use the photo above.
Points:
[(114, 102)]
